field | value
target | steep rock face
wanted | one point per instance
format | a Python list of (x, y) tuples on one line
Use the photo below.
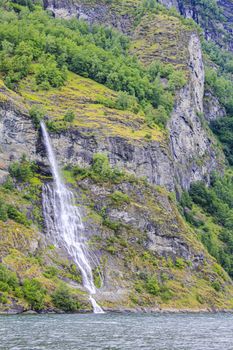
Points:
[(190, 142), (18, 137), (149, 159), (193, 152)]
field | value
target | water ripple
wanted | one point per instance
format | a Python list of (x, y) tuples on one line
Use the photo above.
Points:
[(117, 332)]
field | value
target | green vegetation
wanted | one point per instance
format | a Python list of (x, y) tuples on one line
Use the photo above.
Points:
[(34, 293), (219, 79), (37, 113), (152, 285), (69, 116), (9, 284), (100, 170), (222, 86), (40, 57), (39, 44), (30, 289), (64, 300), (223, 128), (120, 198), (213, 221), (22, 173)]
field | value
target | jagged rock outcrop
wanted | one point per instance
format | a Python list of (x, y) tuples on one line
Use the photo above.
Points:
[(193, 151)]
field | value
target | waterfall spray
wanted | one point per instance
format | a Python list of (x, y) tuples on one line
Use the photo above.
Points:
[(64, 222)]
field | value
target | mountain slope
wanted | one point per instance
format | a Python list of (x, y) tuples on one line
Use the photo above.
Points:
[(121, 153)]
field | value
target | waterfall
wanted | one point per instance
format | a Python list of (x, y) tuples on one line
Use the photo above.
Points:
[(64, 222)]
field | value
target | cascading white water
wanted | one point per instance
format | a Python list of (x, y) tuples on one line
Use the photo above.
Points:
[(64, 221)]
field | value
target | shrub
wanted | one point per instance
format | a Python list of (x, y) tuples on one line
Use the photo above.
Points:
[(34, 293), (64, 300), (152, 285), (3, 298), (8, 277), (3, 211), (4, 287), (101, 165), (119, 197), (8, 184), (139, 286), (216, 285), (69, 116), (17, 216), (186, 200), (50, 272), (49, 74), (37, 113), (113, 225), (111, 249), (101, 169), (97, 277), (165, 293), (176, 81), (156, 116), (180, 263), (23, 170)]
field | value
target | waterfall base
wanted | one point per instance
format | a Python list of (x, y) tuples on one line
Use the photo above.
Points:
[(96, 308)]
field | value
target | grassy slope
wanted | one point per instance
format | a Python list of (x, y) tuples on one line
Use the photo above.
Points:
[(84, 97), (164, 37)]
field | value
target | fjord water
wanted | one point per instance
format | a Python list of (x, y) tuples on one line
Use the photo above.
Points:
[(64, 222), (117, 332)]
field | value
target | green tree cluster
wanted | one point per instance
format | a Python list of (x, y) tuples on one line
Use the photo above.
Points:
[(32, 41), (217, 202), (30, 289), (34, 293), (219, 79)]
